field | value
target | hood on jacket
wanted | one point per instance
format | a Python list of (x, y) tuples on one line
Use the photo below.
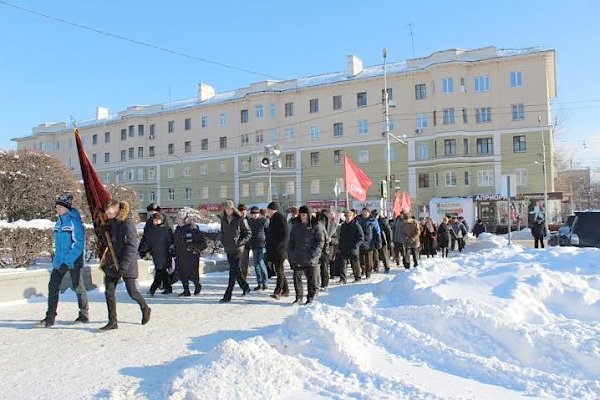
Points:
[(124, 210), (74, 214)]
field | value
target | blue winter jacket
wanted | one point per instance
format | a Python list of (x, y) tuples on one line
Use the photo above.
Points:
[(69, 239)]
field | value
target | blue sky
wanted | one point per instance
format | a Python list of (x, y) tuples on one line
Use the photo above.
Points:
[(50, 71)]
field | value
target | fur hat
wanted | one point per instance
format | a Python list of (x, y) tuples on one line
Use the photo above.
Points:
[(65, 200), (228, 204), (273, 206), (242, 207), (304, 210), (153, 207)]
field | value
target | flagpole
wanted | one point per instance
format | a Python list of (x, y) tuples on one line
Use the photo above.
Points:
[(346, 184)]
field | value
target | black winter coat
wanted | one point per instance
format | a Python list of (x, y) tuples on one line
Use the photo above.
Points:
[(443, 236), (125, 243), (257, 227), (478, 229), (189, 242), (306, 243), (538, 230), (350, 238), (235, 233), (386, 231), (277, 236), (158, 241)]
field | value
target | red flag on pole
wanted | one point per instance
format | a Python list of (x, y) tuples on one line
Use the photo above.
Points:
[(402, 202), (356, 180), (95, 193), (397, 204)]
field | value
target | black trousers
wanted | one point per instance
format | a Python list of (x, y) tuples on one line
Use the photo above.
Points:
[(398, 252), (245, 262), (366, 262), (325, 263), (407, 254), (354, 263), (110, 283), (56, 278), (161, 279), (384, 257), (235, 275), (310, 271), (281, 287), (538, 242)]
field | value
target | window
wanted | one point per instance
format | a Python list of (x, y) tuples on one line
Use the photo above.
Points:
[(171, 193), (131, 130), (434, 118), (123, 134), (361, 99), (187, 193), (337, 102), (289, 161), (315, 133), (131, 153), (420, 91), (171, 126), (244, 116), (244, 139), (121, 176), (223, 191), (245, 165), (130, 174), (290, 187), (521, 174), (223, 142), (106, 157), (363, 156), (447, 85), (315, 186), (289, 109), (482, 83), (245, 190), (449, 147), (273, 110), (106, 137), (140, 174), (337, 157), (422, 152), (485, 146), (485, 178), (467, 178), (94, 158), (314, 105), (273, 136), (466, 146), (363, 127), (203, 168), (314, 159), (140, 130), (289, 134), (187, 146), (465, 116), (518, 112), (222, 119), (390, 94), (259, 111), (259, 137), (171, 148), (423, 180), (338, 129), (519, 144), (123, 155), (151, 174), (204, 192), (437, 179), (516, 79), (151, 151), (187, 124), (483, 114), (222, 167), (152, 131), (170, 173), (450, 179), (204, 144), (421, 120), (463, 85), (140, 152), (448, 116), (94, 140)]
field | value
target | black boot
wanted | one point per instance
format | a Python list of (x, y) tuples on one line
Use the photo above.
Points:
[(197, 289), (146, 315), (45, 323), (186, 293), (111, 325)]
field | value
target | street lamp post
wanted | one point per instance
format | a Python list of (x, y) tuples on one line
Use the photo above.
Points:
[(271, 161), (545, 179)]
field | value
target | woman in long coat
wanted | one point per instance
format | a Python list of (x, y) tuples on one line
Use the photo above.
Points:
[(189, 242)]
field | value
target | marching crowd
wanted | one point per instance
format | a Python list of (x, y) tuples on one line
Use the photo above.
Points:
[(318, 246)]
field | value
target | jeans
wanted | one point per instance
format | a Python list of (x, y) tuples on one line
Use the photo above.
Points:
[(235, 274), (110, 284), (260, 269), (56, 278)]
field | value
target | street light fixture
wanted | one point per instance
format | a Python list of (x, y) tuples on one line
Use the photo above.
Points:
[(545, 178), (270, 161)]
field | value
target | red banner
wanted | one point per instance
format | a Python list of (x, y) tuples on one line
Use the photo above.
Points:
[(402, 202), (356, 180)]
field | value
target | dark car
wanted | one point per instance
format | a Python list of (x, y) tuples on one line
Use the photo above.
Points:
[(585, 231)]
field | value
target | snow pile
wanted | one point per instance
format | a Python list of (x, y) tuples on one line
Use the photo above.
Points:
[(501, 322), (34, 223), (523, 234)]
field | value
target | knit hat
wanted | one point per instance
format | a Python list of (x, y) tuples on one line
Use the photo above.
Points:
[(65, 200), (254, 210), (273, 206), (304, 210)]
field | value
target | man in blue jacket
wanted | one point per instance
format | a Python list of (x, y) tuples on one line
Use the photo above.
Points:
[(69, 240)]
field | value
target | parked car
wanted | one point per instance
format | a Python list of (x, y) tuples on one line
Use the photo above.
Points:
[(585, 231), (561, 237)]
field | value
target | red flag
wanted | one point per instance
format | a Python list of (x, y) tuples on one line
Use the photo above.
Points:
[(96, 194), (397, 204), (402, 202), (356, 180)]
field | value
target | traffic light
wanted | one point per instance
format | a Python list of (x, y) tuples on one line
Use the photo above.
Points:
[(384, 189)]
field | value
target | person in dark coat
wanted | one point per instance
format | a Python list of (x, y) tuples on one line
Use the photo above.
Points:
[(371, 242), (125, 244), (350, 238), (258, 225), (189, 242), (69, 242), (479, 228), (411, 231), (305, 246), (245, 259), (443, 236), (538, 230), (158, 243), (429, 238), (277, 236), (329, 223), (235, 234), (383, 254)]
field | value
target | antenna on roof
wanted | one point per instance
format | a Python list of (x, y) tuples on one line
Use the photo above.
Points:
[(412, 38)]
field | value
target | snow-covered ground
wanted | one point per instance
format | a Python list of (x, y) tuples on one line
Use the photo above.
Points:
[(496, 322)]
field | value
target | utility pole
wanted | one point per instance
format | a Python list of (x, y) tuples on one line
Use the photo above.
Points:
[(545, 179), (387, 133)]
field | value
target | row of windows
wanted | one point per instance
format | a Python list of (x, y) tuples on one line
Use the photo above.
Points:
[(480, 84), (485, 178), (485, 146), (482, 115)]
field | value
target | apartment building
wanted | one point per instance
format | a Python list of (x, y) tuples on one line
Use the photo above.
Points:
[(468, 117)]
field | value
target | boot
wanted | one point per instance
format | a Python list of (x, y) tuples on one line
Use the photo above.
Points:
[(186, 293), (111, 325), (45, 323), (197, 289), (82, 319), (263, 287), (146, 315)]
